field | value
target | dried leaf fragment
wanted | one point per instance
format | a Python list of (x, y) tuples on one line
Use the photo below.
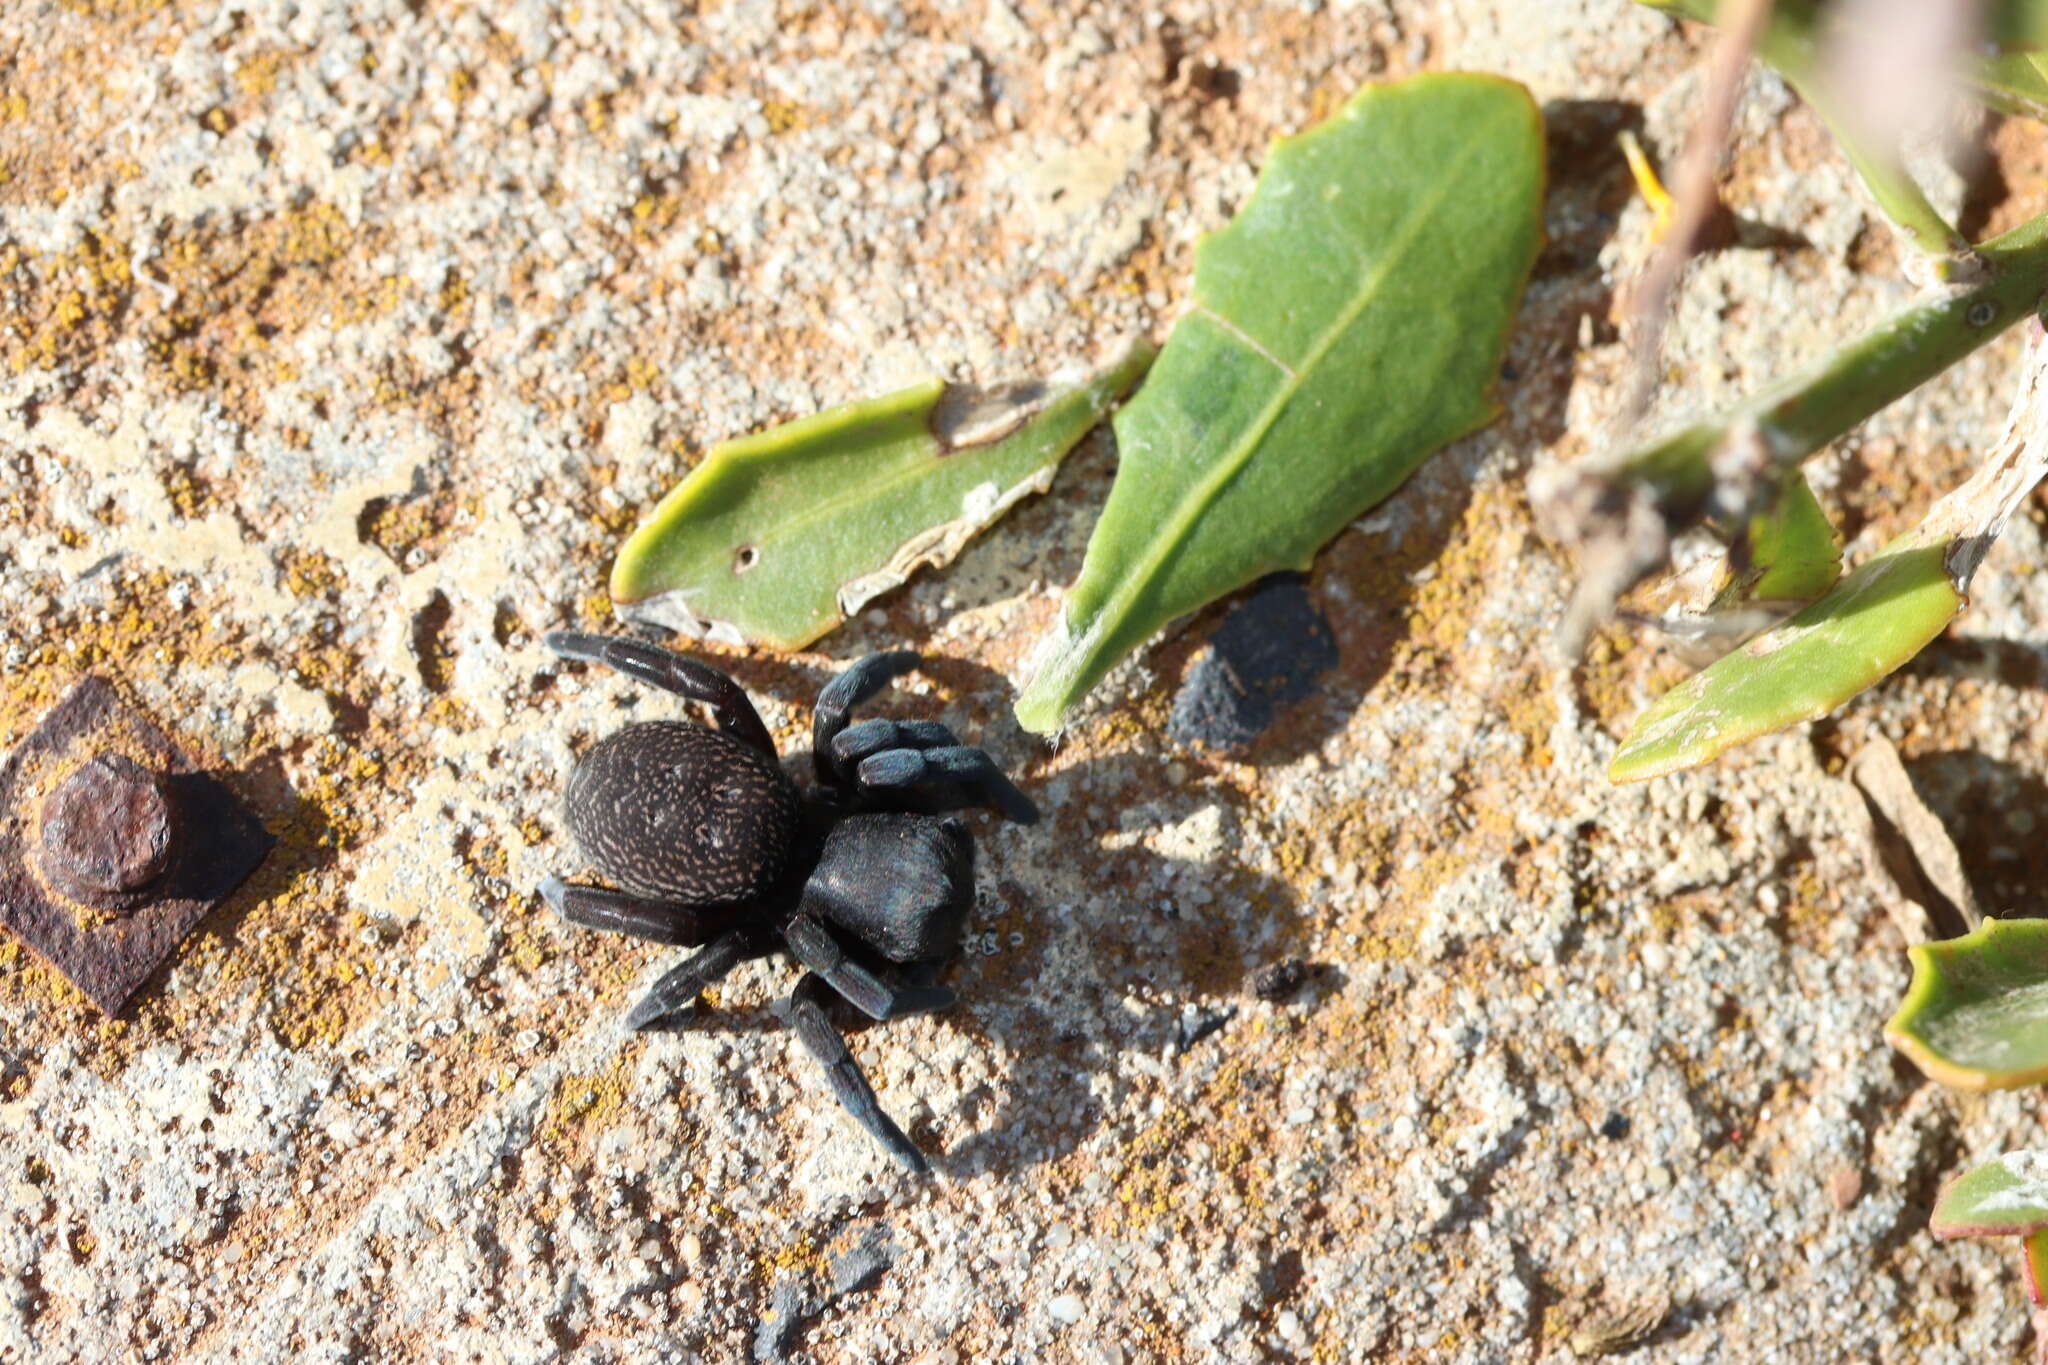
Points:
[(1909, 849)]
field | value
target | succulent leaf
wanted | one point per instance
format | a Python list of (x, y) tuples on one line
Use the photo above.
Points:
[(1976, 1014)]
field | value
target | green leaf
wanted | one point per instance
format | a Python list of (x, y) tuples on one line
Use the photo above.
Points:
[(1873, 621), (1346, 324), (2008, 25), (2016, 83), (776, 538), (1976, 1015), (1791, 553), (2010, 79), (2004, 1197), (1869, 624)]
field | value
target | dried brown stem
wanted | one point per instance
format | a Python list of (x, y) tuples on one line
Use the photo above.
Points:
[(1742, 24)]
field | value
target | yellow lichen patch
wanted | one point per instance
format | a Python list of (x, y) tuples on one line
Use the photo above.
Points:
[(114, 9), (337, 972), (191, 496), (415, 530), (586, 1104), (258, 72), (233, 293), (1228, 1117), (378, 297), (64, 306), (310, 573), (1611, 681)]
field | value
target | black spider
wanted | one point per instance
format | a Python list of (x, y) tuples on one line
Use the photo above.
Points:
[(857, 878)]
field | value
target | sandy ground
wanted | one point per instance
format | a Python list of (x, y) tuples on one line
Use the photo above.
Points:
[(341, 344)]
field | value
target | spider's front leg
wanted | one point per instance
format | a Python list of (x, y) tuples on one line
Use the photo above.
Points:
[(886, 755), (658, 667), (838, 698), (812, 944), (805, 1011)]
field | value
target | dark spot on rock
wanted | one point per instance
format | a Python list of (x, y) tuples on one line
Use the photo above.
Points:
[(430, 641), (788, 1305), (860, 1265), (1277, 981), (1615, 1126), (1197, 1024), (1265, 656)]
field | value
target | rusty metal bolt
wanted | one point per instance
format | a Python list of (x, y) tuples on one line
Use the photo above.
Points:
[(110, 832)]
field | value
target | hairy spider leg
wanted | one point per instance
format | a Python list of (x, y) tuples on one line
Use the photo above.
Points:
[(980, 781), (837, 698), (671, 672), (805, 1011), (620, 912), (680, 985), (814, 945)]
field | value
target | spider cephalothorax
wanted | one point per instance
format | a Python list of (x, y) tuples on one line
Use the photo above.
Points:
[(858, 877)]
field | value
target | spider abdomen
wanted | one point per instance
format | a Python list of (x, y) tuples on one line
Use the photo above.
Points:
[(900, 883), (674, 811)]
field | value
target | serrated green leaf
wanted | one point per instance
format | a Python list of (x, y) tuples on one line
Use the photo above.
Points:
[(1346, 324), (776, 538), (1792, 553), (1976, 1015), (1873, 621)]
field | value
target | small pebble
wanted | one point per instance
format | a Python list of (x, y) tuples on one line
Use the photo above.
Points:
[(1845, 1187), (1065, 1308), (1615, 1127)]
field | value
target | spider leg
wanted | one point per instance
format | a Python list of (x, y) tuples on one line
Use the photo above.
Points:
[(805, 1011), (658, 667), (866, 738), (812, 944), (858, 683), (974, 772), (620, 912), (680, 986)]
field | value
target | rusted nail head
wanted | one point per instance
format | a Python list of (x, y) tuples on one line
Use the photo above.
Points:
[(109, 831)]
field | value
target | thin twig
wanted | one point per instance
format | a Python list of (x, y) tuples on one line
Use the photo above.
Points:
[(1742, 23)]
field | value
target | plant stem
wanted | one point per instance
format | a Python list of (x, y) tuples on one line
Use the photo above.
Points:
[(1788, 44), (1695, 198), (1899, 197), (1796, 418)]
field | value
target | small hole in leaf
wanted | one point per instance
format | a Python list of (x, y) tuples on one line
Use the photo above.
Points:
[(745, 558)]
